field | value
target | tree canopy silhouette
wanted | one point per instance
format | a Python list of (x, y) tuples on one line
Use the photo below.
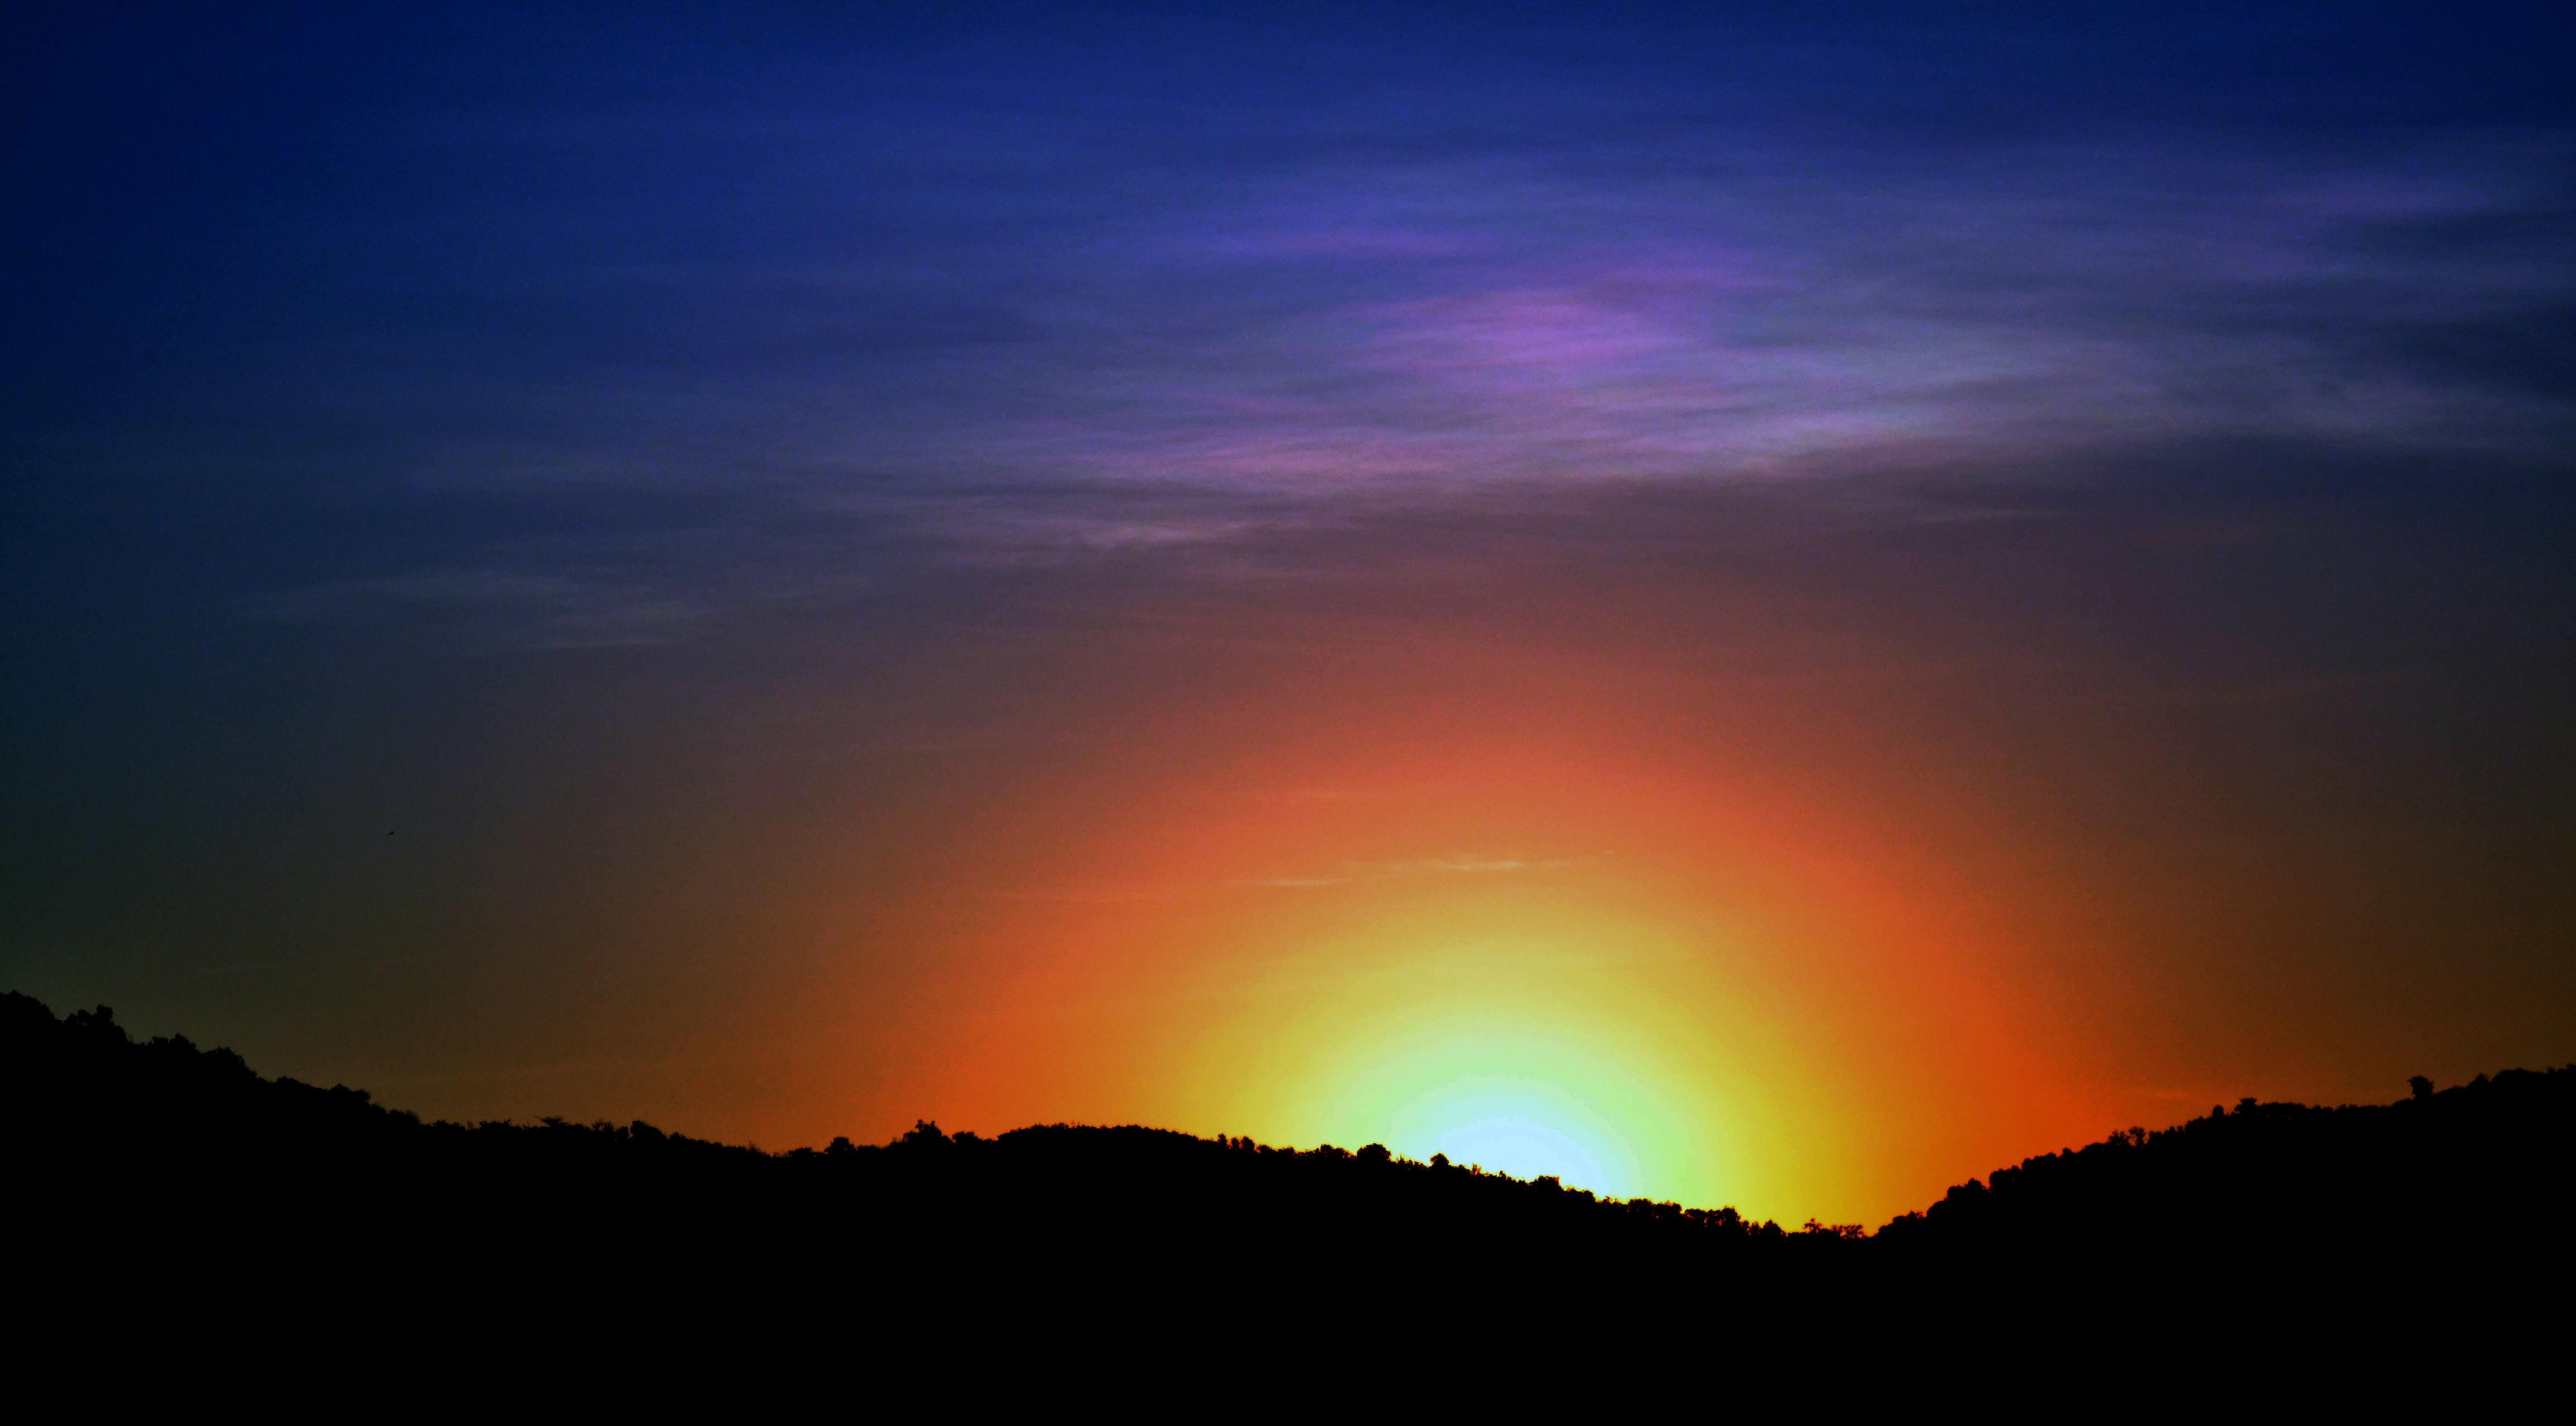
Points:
[(158, 1158)]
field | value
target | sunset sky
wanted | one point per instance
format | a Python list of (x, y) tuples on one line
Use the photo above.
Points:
[(1773, 607)]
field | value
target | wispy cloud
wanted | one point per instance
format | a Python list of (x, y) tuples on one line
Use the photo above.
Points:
[(1111, 345), (1351, 872), (522, 607), (1779, 313)]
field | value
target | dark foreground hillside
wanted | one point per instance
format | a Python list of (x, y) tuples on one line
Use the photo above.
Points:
[(171, 1131), (159, 1166)]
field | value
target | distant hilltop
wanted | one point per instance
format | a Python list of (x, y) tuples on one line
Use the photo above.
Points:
[(185, 1158)]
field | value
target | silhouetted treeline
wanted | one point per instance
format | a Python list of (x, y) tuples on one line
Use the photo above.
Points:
[(159, 1162), (117, 1116), (2478, 1172)]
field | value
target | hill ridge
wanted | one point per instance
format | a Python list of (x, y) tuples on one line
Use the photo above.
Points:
[(81, 1080)]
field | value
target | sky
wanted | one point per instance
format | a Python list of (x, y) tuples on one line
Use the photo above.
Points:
[(1759, 606)]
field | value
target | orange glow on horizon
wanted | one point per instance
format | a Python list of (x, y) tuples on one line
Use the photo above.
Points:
[(1554, 949)]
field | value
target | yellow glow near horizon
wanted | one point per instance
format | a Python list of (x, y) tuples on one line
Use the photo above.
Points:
[(1561, 1048), (1515, 1103)]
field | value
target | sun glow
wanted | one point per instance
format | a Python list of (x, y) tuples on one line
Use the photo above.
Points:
[(1550, 1050), (1638, 972), (1500, 1104), (1521, 1090)]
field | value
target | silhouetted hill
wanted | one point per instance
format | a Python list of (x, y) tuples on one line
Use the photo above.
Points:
[(161, 1161), (120, 1118), (2476, 1172)]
